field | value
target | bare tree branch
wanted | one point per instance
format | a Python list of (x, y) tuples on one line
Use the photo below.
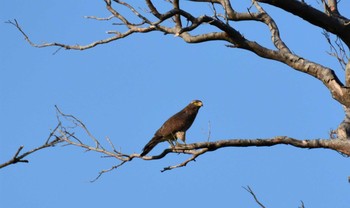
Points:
[(302, 205), (80, 47), (68, 135), (334, 24), (195, 154), (254, 196), (229, 34), (337, 50), (99, 18), (78, 123), (19, 158), (107, 170)]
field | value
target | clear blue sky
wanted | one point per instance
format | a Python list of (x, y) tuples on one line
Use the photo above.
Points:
[(125, 90)]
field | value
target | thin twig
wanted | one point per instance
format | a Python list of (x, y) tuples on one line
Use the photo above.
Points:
[(209, 131), (107, 170), (53, 132), (183, 164), (99, 18), (337, 51), (254, 196), (112, 145), (97, 143), (19, 158)]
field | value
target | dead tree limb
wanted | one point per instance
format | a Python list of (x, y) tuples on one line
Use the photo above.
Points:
[(75, 133), (20, 158), (222, 30), (69, 136)]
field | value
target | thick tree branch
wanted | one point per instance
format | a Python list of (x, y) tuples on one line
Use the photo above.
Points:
[(334, 24), (283, 54)]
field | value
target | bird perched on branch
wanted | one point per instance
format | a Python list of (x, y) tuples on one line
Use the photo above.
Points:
[(175, 127)]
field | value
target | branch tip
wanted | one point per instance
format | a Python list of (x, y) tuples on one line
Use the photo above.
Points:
[(249, 190)]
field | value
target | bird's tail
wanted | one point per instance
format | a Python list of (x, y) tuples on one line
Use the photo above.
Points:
[(150, 145)]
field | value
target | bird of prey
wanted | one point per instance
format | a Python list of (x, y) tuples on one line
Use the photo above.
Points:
[(175, 127)]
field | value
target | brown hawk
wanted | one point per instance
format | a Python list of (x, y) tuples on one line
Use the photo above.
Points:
[(175, 127)]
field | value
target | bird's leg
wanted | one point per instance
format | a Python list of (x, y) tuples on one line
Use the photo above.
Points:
[(182, 136), (174, 138), (171, 143)]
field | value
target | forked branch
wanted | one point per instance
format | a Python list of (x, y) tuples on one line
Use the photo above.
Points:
[(50, 142), (254, 196)]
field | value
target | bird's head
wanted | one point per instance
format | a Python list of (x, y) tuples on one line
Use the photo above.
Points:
[(197, 103)]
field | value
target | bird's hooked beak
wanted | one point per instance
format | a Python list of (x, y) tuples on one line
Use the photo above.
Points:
[(197, 103)]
